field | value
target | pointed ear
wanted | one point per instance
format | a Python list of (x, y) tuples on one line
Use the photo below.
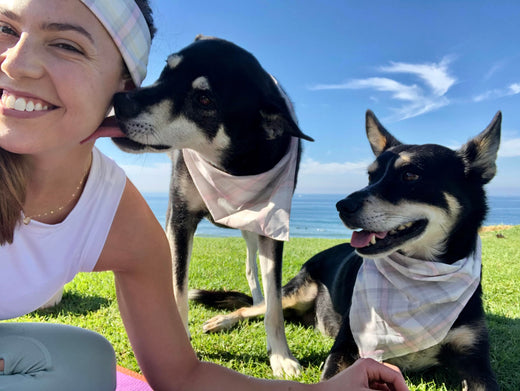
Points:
[(378, 137), (480, 153), (276, 121)]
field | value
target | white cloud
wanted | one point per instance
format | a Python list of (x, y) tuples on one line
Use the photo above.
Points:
[(512, 89), (431, 95), (436, 76), (311, 166), (335, 177), (509, 148)]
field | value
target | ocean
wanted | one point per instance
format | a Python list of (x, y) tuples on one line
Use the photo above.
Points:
[(315, 216)]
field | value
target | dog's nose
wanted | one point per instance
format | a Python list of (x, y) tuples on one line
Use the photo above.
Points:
[(349, 205), (125, 106)]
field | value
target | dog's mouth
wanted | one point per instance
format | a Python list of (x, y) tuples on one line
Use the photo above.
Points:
[(127, 144), (372, 243)]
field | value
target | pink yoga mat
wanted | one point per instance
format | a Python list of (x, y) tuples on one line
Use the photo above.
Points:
[(128, 380)]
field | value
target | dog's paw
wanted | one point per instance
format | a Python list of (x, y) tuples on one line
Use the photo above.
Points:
[(219, 323), (285, 367)]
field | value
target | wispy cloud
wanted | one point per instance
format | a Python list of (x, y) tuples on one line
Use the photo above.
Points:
[(311, 166), (332, 177), (509, 148), (434, 82), (512, 89)]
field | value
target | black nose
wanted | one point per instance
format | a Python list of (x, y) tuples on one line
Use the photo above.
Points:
[(126, 106), (350, 204)]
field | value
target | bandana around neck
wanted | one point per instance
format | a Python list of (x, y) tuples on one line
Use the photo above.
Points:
[(256, 203), (402, 305)]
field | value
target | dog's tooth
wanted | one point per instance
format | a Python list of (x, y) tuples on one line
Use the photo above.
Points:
[(373, 240), (408, 225), (393, 232), (401, 227)]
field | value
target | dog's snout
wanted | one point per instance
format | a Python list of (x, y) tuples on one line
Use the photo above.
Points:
[(349, 205)]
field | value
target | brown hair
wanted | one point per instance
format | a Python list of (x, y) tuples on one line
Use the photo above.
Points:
[(12, 193)]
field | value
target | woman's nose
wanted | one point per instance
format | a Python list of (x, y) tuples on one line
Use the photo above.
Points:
[(21, 60)]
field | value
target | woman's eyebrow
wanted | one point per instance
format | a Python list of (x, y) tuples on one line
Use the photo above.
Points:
[(67, 27), (50, 26), (9, 14)]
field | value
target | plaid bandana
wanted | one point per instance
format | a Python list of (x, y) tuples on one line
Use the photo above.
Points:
[(402, 305), (256, 203), (127, 26)]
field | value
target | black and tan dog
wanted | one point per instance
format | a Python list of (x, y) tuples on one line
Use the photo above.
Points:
[(407, 288), (216, 108)]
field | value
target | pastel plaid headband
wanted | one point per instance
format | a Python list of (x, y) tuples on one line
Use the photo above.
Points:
[(127, 26)]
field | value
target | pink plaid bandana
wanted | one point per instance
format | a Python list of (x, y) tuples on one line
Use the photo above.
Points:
[(403, 305), (256, 203), (127, 26)]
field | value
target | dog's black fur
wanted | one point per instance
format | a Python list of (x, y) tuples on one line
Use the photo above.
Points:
[(215, 98), (439, 191)]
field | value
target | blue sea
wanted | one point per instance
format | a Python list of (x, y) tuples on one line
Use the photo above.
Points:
[(315, 216)]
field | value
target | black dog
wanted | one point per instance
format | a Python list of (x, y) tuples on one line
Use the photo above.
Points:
[(419, 215), (215, 100)]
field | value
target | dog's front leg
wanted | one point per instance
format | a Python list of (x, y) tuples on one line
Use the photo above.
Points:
[(251, 266), (343, 353), (271, 255), (180, 231)]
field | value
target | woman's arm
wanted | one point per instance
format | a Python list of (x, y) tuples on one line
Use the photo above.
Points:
[(138, 252)]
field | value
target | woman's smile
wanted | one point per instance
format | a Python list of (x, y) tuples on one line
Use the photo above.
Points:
[(22, 102)]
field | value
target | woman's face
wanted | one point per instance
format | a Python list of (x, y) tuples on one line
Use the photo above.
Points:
[(59, 69)]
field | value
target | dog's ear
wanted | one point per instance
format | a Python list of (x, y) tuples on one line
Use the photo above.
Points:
[(277, 123), (378, 137), (480, 153)]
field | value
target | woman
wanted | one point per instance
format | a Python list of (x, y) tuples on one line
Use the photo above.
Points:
[(65, 208)]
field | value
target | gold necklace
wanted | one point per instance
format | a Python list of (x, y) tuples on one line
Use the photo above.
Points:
[(27, 219)]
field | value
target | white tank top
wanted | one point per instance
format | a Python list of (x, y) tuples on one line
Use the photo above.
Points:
[(43, 257)]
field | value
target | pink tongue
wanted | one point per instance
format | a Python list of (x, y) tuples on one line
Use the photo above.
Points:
[(108, 128), (362, 238)]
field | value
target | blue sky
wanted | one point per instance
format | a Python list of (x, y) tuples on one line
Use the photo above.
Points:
[(432, 72)]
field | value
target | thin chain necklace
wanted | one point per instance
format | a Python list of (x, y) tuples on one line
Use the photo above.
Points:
[(27, 219)]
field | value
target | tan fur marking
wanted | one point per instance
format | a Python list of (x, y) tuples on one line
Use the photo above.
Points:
[(404, 158)]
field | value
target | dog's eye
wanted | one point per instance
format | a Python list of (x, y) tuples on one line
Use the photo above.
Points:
[(204, 100), (410, 177)]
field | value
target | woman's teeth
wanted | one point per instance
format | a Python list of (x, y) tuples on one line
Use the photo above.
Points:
[(21, 104)]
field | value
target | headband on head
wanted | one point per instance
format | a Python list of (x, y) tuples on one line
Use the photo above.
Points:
[(127, 26)]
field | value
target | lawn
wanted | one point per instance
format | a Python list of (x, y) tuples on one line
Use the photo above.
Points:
[(89, 301)]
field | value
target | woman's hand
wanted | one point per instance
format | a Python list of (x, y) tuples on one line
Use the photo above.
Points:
[(367, 374)]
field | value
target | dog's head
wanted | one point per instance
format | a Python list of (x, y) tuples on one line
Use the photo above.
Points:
[(426, 201), (210, 94)]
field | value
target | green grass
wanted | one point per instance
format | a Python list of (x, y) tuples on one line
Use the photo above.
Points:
[(89, 302)]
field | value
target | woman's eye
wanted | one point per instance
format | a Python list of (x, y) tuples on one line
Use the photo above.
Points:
[(6, 29), (68, 47), (410, 177)]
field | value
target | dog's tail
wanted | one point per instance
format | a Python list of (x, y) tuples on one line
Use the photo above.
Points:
[(223, 300)]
